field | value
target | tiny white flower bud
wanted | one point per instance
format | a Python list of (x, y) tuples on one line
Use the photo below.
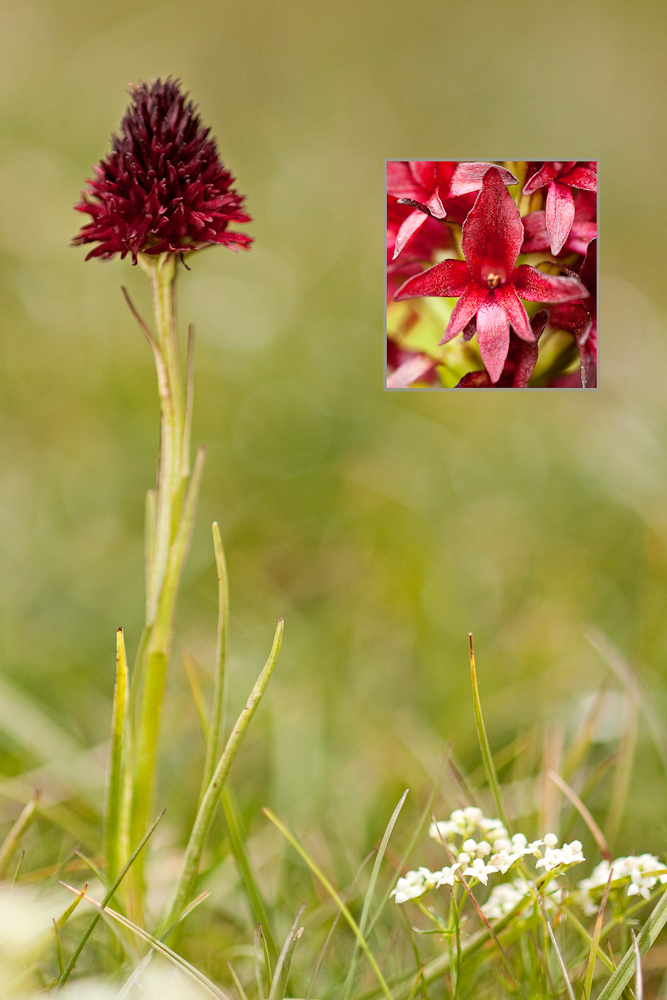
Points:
[(473, 814), (464, 858), (483, 848), (469, 845), (551, 840)]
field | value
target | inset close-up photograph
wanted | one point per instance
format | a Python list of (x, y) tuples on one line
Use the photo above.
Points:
[(491, 274)]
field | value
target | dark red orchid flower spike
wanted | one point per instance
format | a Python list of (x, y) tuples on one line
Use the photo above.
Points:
[(429, 187), (163, 187), (561, 176), (487, 283)]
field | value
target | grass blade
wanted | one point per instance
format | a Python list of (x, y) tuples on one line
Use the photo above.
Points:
[(370, 891), (336, 898), (590, 968), (585, 814), (639, 979), (561, 960), (217, 714), (171, 956), (413, 840), (238, 850), (281, 975), (628, 676), (491, 775), (237, 982), (205, 812), (91, 927), (59, 948), (12, 839), (116, 831), (623, 770), (649, 932)]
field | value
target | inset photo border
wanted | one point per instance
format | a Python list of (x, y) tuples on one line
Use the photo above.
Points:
[(491, 274)]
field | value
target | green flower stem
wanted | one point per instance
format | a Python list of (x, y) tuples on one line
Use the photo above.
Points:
[(174, 508)]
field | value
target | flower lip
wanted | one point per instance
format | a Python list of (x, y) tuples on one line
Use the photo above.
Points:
[(163, 187)]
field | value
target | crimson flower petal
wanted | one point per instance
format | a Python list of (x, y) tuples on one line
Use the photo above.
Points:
[(581, 177), (493, 336), (515, 309), (581, 234), (543, 177), (534, 286), (423, 172), (475, 380), (464, 310), (526, 353), (560, 215), (469, 176), (409, 228), (493, 232), (449, 278), (401, 182), (435, 206), (411, 370)]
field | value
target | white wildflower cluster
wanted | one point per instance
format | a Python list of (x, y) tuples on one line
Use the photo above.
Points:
[(482, 847), (642, 870), (504, 897), (415, 883)]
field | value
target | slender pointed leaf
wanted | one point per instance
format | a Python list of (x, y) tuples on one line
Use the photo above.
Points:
[(491, 775), (13, 838), (195, 846), (336, 898), (116, 830)]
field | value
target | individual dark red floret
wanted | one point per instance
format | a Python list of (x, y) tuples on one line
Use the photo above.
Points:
[(163, 187), (559, 177), (584, 227)]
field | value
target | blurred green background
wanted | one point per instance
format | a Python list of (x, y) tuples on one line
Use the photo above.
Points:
[(382, 526)]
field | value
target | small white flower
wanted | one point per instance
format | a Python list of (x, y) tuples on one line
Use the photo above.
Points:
[(519, 840), (442, 830), (473, 815), (504, 897), (554, 857), (502, 844), (504, 860), (550, 839), (492, 826), (483, 848), (480, 871), (458, 818), (469, 845), (414, 884), (463, 858), (446, 876)]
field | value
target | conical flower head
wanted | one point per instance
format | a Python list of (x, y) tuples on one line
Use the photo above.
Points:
[(163, 187)]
